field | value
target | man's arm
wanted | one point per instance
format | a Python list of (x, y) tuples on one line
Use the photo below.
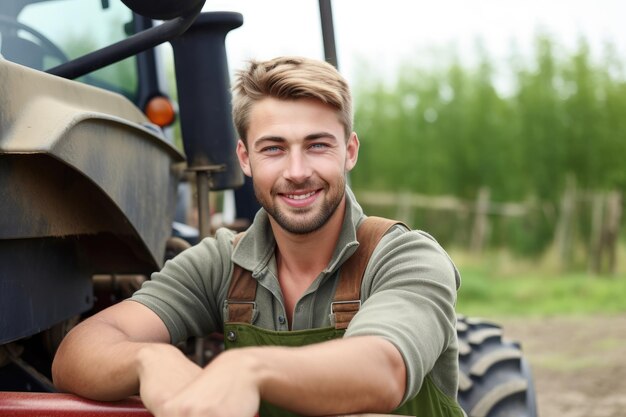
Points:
[(341, 376), (99, 358), (410, 289)]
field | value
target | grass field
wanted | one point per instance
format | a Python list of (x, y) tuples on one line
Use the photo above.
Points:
[(497, 285)]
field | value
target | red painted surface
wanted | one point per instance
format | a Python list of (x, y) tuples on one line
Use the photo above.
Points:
[(31, 404)]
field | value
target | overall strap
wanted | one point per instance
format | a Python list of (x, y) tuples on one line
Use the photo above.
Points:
[(241, 293), (347, 301)]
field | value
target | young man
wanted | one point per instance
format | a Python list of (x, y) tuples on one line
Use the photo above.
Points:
[(294, 118)]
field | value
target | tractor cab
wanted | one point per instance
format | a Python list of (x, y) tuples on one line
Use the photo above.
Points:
[(33, 35), (88, 182), (44, 34)]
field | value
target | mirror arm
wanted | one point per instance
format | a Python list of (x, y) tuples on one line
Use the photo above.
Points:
[(128, 47)]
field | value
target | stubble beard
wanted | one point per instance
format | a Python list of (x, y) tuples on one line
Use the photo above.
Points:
[(296, 220)]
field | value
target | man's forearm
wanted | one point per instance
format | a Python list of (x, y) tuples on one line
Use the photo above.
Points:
[(344, 376)]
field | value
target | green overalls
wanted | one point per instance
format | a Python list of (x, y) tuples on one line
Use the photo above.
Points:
[(239, 332)]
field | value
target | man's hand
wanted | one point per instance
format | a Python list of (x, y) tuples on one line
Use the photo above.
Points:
[(176, 387), (163, 373), (342, 376)]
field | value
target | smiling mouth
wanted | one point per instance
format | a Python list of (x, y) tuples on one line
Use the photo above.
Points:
[(300, 196)]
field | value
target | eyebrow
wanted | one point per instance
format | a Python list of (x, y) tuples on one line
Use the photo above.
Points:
[(279, 139), (320, 135)]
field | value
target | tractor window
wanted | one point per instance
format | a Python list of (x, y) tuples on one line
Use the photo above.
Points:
[(47, 33)]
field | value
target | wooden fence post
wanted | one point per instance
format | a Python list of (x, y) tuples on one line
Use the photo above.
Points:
[(564, 229), (605, 224), (611, 228), (405, 208), (595, 239), (479, 231)]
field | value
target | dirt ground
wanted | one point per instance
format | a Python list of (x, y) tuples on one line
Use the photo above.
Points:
[(579, 363)]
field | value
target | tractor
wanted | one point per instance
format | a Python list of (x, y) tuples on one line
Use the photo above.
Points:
[(94, 195)]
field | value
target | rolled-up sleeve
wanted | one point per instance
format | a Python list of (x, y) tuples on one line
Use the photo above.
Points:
[(186, 293)]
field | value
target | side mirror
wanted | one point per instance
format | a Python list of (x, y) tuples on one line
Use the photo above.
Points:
[(163, 9)]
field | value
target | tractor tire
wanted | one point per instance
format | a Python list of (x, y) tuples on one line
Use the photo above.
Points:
[(495, 379)]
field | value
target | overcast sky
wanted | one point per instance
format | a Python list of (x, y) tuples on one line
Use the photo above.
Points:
[(387, 32)]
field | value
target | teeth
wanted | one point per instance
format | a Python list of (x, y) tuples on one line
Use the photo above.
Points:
[(300, 197)]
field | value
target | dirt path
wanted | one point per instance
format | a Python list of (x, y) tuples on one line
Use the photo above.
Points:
[(579, 363)]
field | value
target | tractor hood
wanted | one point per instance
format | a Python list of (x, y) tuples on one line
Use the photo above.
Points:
[(98, 141)]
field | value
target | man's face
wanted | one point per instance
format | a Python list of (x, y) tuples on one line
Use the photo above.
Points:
[(298, 158)]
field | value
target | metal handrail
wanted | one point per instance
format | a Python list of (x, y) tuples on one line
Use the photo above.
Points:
[(38, 404)]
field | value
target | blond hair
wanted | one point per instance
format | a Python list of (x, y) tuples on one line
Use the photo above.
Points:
[(290, 78)]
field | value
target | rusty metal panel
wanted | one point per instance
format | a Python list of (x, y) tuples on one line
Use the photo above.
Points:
[(41, 283)]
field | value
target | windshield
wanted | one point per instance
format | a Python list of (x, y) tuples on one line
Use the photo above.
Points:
[(43, 34)]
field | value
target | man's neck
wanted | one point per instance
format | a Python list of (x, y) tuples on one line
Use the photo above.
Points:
[(308, 254)]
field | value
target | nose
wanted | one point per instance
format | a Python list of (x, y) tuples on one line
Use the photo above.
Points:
[(298, 168)]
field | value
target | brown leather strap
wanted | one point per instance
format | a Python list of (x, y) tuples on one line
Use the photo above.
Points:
[(241, 293), (347, 301)]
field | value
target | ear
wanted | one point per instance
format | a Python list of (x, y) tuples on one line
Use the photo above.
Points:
[(352, 151), (244, 158)]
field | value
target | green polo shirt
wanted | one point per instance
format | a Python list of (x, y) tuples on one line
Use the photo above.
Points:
[(408, 293)]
